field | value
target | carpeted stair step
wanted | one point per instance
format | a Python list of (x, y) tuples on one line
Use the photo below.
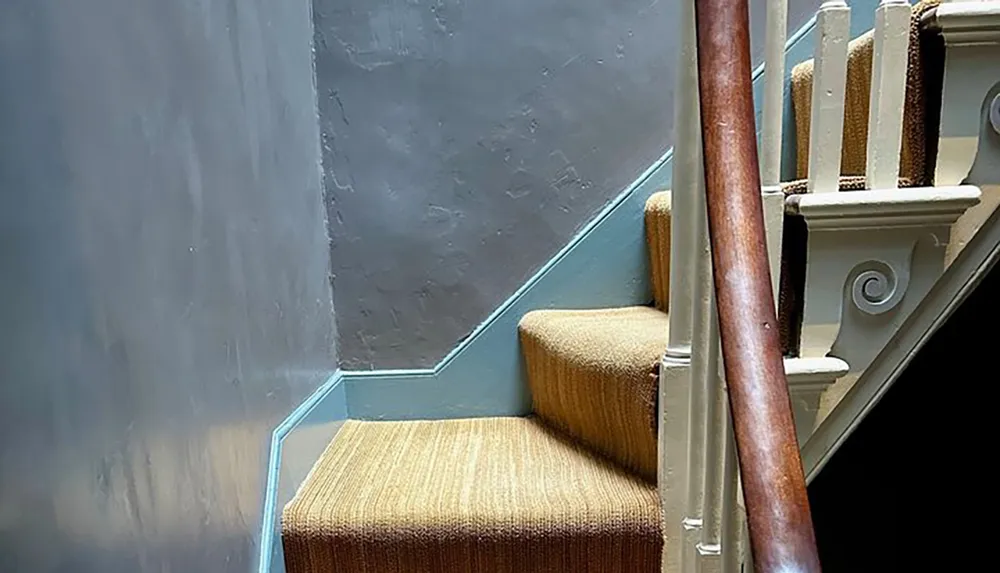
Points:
[(592, 375), (475, 495), (658, 239)]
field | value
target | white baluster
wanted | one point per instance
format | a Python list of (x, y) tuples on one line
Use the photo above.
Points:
[(704, 442), (686, 188), (774, 92), (734, 552), (826, 123), (705, 376), (747, 554), (888, 91), (770, 154), (680, 421)]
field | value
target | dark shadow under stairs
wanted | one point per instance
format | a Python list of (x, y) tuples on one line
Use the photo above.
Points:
[(908, 488)]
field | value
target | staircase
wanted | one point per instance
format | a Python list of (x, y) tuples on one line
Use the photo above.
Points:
[(570, 488), (627, 461)]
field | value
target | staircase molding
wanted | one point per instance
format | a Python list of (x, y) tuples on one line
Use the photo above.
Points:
[(872, 256), (966, 23), (295, 446), (808, 379), (958, 281), (884, 208)]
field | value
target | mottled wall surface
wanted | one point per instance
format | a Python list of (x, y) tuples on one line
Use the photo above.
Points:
[(164, 299), (464, 143)]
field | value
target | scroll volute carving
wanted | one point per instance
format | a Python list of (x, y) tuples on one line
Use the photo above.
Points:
[(878, 286)]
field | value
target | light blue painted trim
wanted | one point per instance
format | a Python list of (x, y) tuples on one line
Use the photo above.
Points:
[(604, 265), (270, 522), (496, 314), (455, 387)]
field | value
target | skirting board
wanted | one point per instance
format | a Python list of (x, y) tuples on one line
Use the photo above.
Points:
[(296, 444), (605, 265)]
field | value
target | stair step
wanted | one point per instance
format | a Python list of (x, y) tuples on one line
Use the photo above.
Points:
[(592, 375), (474, 495), (658, 239)]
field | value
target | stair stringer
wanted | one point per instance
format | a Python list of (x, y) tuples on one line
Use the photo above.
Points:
[(872, 257), (957, 282), (968, 153)]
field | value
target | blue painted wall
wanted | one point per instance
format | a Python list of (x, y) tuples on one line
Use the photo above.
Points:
[(605, 265), (466, 143), (164, 293), (296, 444)]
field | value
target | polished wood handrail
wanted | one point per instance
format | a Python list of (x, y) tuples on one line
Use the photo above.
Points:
[(774, 487)]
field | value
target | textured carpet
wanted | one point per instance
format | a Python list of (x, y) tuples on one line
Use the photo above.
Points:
[(478, 495), (591, 374), (658, 239), (922, 68)]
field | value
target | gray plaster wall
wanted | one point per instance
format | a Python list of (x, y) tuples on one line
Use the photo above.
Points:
[(464, 143), (164, 293)]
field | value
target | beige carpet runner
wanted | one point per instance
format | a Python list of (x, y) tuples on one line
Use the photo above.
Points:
[(591, 374), (658, 239), (570, 489), (478, 495)]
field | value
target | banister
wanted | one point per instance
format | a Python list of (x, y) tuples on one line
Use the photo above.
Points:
[(774, 489)]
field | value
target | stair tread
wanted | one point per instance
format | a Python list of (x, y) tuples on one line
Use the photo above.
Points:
[(603, 336), (466, 495), (592, 374)]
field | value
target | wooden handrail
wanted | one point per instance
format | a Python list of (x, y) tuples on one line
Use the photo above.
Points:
[(774, 487)]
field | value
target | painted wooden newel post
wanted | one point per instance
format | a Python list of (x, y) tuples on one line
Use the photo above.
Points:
[(888, 91), (826, 123)]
